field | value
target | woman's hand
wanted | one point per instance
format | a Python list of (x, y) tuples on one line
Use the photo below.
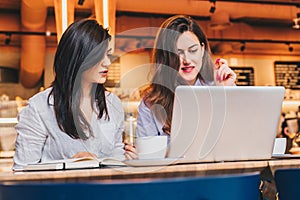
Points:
[(223, 74), (130, 152), (84, 154)]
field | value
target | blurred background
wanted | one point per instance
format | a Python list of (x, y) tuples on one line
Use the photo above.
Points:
[(260, 40)]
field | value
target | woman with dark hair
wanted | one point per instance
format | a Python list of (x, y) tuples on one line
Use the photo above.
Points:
[(181, 56), (76, 117)]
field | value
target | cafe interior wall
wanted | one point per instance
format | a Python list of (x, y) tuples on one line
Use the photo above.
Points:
[(260, 56), (135, 65)]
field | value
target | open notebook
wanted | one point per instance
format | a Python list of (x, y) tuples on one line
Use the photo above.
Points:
[(216, 123), (72, 163)]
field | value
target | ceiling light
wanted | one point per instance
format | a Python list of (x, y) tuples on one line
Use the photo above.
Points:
[(290, 48), (243, 47), (212, 9), (64, 17), (105, 13), (7, 39), (80, 2), (296, 22), (48, 33), (213, 6)]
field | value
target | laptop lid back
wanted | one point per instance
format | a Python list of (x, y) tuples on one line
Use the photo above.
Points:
[(216, 123)]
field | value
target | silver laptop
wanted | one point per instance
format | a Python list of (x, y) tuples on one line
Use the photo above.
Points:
[(215, 123)]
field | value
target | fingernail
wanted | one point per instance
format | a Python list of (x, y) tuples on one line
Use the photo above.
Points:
[(218, 60), (226, 76)]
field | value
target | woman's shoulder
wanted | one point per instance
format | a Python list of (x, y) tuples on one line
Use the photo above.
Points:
[(38, 103), (112, 98), (41, 96), (146, 94)]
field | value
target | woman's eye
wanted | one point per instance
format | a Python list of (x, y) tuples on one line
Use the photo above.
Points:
[(180, 52), (193, 50), (109, 55)]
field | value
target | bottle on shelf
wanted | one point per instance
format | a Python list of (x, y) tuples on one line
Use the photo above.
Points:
[(129, 129)]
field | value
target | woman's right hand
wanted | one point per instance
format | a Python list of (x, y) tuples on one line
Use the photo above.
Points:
[(130, 152), (224, 76)]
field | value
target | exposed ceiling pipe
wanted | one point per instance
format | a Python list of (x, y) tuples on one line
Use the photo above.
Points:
[(33, 47)]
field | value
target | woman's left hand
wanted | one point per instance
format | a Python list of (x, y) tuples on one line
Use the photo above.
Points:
[(223, 74), (130, 152)]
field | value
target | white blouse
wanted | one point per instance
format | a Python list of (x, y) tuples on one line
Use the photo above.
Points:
[(148, 124), (40, 139)]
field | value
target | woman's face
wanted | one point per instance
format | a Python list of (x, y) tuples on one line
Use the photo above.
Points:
[(98, 73), (190, 53)]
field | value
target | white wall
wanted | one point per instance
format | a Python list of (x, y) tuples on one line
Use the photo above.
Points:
[(135, 69)]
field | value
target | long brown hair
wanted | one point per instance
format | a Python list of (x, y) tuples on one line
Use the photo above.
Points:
[(166, 65)]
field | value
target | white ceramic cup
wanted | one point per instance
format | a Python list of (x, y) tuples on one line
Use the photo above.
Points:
[(279, 146), (151, 147)]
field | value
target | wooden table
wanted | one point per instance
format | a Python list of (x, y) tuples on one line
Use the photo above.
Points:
[(284, 163), (132, 173)]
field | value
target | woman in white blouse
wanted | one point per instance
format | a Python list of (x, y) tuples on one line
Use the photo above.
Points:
[(76, 117)]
